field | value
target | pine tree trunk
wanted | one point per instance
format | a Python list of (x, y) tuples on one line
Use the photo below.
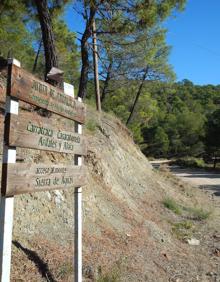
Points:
[(106, 83), (37, 56), (95, 64), (47, 35), (85, 65), (85, 53), (137, 95)]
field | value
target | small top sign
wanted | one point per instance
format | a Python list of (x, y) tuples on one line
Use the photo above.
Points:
[(30, 89), (68, 89)]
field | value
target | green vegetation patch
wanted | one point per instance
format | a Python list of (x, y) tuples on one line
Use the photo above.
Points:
[(109, 277), (193, 213), (170, 204), (183, 229), (91, 125), (190, 162), (198, 213)]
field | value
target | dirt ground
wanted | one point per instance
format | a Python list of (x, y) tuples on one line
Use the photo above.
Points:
[(129, 234), (137, 221), (204, 179)]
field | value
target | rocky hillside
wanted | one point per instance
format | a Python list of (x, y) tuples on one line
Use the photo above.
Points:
[(138, 224)]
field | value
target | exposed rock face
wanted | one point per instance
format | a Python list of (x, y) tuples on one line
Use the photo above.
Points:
[(127, 232)]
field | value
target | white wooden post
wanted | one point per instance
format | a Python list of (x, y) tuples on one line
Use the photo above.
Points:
[(78, 219), (7, 203), (78, 235), (77, 208)]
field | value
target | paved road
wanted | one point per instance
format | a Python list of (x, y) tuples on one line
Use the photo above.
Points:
[(204, 179)]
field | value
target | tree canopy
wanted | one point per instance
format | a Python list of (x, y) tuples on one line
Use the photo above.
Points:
[(137, 83)]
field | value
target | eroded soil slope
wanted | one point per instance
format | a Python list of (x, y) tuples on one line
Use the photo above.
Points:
[(128, 233)]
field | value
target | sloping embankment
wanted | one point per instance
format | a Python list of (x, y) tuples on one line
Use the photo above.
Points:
[(127, 232)]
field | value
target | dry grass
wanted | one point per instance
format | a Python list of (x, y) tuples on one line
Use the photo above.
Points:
[(172, 205), (41, 260), (183, 229), (141, 234)]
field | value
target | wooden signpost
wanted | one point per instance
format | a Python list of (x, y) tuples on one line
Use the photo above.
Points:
[(43, 134), (26, 178), (30, 130), (28, 88)]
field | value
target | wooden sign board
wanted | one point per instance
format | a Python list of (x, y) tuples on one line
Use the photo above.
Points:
[(30, 130), (30, 89), (28, 178)]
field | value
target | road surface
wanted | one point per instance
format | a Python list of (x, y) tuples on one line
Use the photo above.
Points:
[(207, 180)]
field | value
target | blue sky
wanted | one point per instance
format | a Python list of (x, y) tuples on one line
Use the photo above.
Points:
[(194, 36), (195, 39)]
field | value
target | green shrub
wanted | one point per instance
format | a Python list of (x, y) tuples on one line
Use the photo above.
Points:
[(183, 229), (190, 162), (198, 213), (91, 125), (109, 277), (150, 158), (170, 204)]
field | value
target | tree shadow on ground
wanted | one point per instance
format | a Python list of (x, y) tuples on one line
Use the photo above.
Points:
[(40, 264), (184, 173), (215, 189)]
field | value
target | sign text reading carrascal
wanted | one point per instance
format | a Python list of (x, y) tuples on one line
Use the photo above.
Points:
[(61, 138), (43, 134)]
